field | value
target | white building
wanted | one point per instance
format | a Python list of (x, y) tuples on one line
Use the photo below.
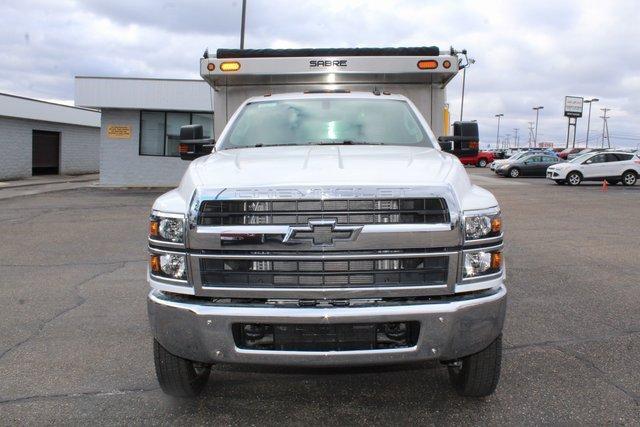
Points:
[(39, 137), (141, 121)]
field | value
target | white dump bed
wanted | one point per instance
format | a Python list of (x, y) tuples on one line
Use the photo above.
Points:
[(421, 74)]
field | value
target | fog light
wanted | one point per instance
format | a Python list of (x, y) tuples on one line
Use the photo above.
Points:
[(396, 330)]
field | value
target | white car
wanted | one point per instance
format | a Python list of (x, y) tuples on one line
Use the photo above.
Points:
[(614, 166)]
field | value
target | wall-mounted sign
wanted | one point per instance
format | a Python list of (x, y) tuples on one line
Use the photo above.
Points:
[(119, 132), (573, 106)]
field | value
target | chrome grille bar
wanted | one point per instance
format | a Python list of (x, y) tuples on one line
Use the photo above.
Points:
[(298, 212)]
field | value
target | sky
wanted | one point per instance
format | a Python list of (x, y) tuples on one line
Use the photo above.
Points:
[(527, 53)]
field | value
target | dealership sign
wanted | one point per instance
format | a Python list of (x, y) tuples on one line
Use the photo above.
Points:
[(119, 132), (573, 106)]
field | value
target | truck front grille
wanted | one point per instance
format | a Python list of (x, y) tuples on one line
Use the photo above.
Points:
[(319, 273), (298, 212)]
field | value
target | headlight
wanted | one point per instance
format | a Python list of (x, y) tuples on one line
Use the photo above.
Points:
[(167, 228), (169, 265), (482, 263), (482, 225)]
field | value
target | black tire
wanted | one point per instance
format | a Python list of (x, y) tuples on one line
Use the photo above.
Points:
[(179, 377), (478, 374), (513, 173), (560, 181), (629, 178), (574, 178), (482, 163)]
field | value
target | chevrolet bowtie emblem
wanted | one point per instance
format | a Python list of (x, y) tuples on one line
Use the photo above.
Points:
[(322, 232)]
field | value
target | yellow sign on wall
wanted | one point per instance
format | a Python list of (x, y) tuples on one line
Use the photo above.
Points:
[(118, 132)]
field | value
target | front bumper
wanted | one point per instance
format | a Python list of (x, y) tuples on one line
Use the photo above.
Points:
[(554, 174), (449, 329)]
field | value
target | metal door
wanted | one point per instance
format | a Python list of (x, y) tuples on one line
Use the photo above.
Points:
[(46, 152)]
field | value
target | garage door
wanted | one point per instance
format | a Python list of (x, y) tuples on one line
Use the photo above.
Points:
[(46, 152)]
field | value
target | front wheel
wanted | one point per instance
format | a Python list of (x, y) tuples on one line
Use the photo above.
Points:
[(629, 178), (574, 178), (179, 377), (477, 375), (514, 173), (482, 163)]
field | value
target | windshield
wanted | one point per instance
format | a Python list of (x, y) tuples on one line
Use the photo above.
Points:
[(326, 121)]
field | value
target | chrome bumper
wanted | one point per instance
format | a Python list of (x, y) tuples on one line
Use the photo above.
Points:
[(448, 330)]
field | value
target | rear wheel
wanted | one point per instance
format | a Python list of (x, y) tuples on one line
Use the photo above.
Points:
[(477, 375), (514, 173), (574, 178), (179, 377), (482, 163), (629, 178)]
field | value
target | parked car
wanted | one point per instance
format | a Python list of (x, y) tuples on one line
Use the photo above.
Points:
[(518, 156), (615, 166), (565, 153), (532, 165), (481, 160)]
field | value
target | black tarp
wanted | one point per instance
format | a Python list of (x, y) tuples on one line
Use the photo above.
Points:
[(357, 51)]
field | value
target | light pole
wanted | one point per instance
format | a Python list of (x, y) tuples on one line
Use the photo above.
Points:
[(244, 16), (498, 134), (535, 136), (589, 101)]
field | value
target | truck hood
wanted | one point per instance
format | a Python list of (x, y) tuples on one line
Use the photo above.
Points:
[(325, 165)]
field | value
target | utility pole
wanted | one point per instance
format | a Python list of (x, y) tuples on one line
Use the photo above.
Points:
[(605, 127), (498, 133), (530, 133), (589, 101), (516, 142), (535, 136), (244, 16)]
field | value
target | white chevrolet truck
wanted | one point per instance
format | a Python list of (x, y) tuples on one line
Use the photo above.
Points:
[(324, 226)]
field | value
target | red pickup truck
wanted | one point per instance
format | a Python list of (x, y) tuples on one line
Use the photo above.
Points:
[(482, 159)]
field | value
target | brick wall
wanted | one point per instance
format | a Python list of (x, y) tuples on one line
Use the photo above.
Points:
[(120, 163), (79, 147)]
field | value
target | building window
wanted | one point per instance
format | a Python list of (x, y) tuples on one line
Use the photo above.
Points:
[(160, 130)]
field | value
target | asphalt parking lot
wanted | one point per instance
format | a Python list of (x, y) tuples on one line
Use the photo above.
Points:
[(75, 347)]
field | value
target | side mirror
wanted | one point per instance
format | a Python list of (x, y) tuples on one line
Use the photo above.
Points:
[(192, 143), (446, 143)]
